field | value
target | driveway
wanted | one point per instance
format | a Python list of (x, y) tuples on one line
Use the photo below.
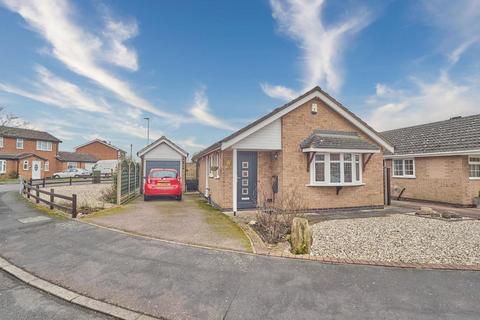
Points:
[(191, 221), (182, 282)]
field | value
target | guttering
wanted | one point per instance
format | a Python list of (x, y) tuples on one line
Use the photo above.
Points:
[(434, 154)]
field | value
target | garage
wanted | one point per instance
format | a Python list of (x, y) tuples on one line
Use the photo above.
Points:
[(163, 153)]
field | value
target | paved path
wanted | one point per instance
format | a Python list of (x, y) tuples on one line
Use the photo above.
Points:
[(473, 213), (19, 301), (180, 282)]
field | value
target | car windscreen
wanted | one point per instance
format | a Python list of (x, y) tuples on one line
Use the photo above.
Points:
[(163, 174)]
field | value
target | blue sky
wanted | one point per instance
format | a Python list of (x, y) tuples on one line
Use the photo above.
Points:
[(200, 69)]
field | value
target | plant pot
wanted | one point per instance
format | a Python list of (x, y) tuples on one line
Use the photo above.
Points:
[(476, 201)]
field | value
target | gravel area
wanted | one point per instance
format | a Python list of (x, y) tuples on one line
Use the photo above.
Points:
[(399, 238), (87, 194)]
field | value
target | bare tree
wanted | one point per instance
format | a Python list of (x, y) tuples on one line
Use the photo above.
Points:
[(10, 120)]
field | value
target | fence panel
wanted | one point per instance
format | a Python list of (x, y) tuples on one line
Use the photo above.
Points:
[(128, 184)]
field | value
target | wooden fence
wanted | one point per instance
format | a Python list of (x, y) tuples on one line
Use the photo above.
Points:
[(128, 181), (69, 181), (34, 191)]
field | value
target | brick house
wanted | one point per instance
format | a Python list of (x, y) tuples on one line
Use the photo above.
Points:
[(312, 148), (437, 161), (67, 160), (101, 149), (27, 153)]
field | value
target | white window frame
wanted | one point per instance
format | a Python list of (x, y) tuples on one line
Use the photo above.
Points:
[(1, 142), (473, 163), (402, 174), (356, 159), (19, 143), (25, 165), (69, 165), (3, 166), (44, 145), (46, 165), (214, 161)]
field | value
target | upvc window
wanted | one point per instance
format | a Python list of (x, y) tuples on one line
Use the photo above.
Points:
[(336, 169), (404, 168), (19, 144), (25, 165), (3, 166), (46, 166), (44, 145), (213, 165), (71, 165), (474, 167)]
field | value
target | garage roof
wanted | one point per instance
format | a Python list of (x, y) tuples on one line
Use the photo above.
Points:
[(158, 142)]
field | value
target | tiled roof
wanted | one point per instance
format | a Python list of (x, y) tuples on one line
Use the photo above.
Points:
[(18, 156), (275, 111), (104, 142), (456, 134), (322, 139), (76, 157), (165, 139), (26, 134)]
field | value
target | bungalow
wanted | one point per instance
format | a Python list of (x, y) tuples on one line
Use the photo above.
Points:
[(67, 160), (437, 161), (312, 148)]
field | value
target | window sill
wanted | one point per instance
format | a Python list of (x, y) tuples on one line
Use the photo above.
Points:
[(335, 184), (404, 177), (474, 178)]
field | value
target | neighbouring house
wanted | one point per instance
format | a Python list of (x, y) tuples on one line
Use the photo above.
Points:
[(69, 160), (437, 161), (101, 149), (27, 153), (163, 153), (312, 150)]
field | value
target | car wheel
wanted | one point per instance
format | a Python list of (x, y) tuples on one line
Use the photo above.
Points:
[(56, 176), (76, 176), (146, 198), (179, 198)]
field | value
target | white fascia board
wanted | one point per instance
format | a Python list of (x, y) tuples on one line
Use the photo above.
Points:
[(160, 142), (329, 150), (329, 102), (433, 154)]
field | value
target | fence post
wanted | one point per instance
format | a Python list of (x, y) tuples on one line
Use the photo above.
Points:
[(70, 180), (31, 181), (51, 199), (119, 183), (43, 181), (74, 206), (129, 172), (37, 193)]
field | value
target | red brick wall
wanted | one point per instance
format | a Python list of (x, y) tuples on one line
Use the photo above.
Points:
[(100, 150)]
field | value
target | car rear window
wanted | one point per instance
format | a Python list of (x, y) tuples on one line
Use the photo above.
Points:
[(163, 174)]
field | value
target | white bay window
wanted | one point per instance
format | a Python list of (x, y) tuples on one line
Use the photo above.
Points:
[(336, 169)]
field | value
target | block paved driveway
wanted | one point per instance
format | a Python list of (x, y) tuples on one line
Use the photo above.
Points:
[(181, 282)]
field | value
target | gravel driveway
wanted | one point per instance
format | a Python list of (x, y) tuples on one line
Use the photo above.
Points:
[(399, 238), (88, 195)]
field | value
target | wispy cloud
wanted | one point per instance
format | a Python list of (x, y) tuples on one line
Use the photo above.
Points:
[(83, 52), (278, 92), (52, 90), (201, 112), (425, 102), (322, 45), (192, 143)]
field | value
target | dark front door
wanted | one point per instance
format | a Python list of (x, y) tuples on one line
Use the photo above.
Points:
[(246, 179)]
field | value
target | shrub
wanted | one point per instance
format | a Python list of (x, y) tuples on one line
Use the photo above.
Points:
[(110, 194), (275, 219)]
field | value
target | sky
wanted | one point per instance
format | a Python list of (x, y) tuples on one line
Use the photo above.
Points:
[(201, 69)]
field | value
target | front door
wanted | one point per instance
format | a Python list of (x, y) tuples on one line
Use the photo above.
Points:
[(36, 169), (246, 180)]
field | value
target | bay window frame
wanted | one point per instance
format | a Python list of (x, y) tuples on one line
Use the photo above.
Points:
[(356, 158)]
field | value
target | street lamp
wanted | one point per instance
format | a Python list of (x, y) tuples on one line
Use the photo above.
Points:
[(148, 129)]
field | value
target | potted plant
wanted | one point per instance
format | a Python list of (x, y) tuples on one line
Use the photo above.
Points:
[(476, 200)]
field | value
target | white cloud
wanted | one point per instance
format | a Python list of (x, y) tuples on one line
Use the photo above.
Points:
[(201, 112), (58, 92), (279, 92), (191, 143), (82, 51), (426, 102), (322, 46)]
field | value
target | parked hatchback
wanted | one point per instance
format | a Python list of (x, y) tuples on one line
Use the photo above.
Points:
[(163, 182), (72, 172)]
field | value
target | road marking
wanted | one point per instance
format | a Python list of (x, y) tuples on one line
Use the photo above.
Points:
[(34, 219)]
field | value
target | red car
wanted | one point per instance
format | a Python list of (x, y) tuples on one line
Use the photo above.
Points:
[(163, 182)]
